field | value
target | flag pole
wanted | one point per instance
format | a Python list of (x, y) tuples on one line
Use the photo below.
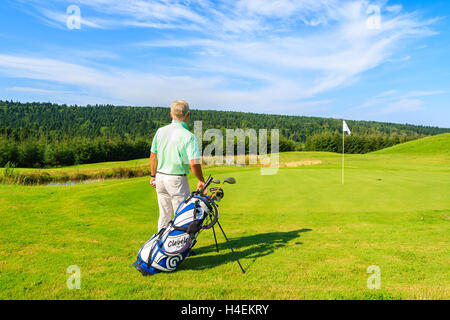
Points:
[(343, 151), (345, 128)]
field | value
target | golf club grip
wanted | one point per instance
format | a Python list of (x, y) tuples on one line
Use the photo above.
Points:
[(207, 183)]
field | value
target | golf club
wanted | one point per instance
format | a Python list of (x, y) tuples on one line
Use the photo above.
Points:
[(229, 180)]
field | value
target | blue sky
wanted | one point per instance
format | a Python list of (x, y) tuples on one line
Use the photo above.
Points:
[(355, 59)]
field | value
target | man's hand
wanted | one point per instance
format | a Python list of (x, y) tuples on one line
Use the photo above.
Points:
[(200, 185), (153, 182)]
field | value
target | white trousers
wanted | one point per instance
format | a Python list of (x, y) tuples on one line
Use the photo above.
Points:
[(171, 191)]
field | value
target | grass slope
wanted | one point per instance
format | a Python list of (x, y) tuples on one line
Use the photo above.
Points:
[(300, 234), (439, 145)]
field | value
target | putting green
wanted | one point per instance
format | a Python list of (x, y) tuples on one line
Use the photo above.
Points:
[(300, 234)]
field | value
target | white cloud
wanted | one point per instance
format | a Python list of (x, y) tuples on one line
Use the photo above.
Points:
[(33, 90), (286, 51), (394, 8), (404, 105), (392, 101)]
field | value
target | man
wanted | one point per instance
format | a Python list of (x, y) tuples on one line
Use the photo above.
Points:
[(174, 148)]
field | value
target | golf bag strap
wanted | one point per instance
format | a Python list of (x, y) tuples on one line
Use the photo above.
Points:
[(192, 229), (158, 236)]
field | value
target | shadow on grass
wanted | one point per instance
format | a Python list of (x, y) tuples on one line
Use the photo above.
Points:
[(249, 247)]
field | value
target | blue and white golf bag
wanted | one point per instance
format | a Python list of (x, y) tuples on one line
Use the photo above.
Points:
[(170, 246)]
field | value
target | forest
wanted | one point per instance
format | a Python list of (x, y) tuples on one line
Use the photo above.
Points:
[(38, 135)]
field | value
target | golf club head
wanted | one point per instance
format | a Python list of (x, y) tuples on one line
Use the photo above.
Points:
[(216, 181), (230, 180), (218, 194)]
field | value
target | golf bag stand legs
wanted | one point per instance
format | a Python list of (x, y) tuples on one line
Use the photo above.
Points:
[(235, 256), (215, 239)]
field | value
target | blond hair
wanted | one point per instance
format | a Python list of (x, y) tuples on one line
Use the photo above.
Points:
[(179, 109)]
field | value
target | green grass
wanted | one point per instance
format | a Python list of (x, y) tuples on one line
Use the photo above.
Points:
[(94, 166), (439, 144), (117, 170), (284, 157), (300, 234)]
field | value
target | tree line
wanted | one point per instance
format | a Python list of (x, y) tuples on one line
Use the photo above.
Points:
[(41, 153), (35, 153), (44, 134), (355, 143)]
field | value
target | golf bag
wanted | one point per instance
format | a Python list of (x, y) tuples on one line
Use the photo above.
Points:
[(170, 246)]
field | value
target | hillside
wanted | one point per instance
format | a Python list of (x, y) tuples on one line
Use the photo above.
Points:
[(439, 144)]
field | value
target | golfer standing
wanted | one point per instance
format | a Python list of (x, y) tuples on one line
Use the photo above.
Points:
[(174, 148)]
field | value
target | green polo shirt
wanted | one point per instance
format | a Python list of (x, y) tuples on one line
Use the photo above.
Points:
[(175, 146)]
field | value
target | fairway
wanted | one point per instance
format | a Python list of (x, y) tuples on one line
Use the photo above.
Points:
[(300, 234)]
